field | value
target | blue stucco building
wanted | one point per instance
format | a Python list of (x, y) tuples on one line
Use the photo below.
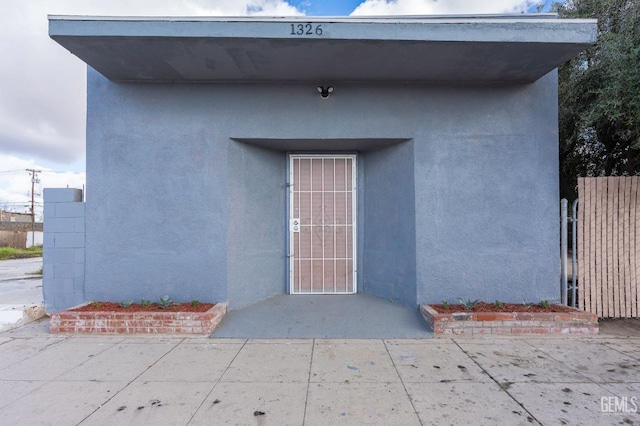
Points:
[(233, 159)]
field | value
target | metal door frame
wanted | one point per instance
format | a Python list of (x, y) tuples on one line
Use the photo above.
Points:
[(290, 213)]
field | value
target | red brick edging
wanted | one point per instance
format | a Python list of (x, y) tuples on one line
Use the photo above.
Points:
[(470, 323), (138, 322)]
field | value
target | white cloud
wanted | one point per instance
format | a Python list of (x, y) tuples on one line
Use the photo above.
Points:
[(169, 7), (42, 89), (43, 86), (441, 7), (15, 183), (240, 8)]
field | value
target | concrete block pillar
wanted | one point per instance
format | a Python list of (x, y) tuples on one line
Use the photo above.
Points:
[(63, 248)]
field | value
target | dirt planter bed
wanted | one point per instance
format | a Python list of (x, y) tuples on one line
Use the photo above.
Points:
[(150, 322), (506, 323)]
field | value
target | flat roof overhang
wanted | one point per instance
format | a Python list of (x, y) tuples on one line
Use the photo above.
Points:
[(464, 49)]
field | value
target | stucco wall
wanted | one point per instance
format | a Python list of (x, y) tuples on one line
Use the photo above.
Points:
[(483, 161), (389, 228), (155, 161), (257, 250), (487, 196)]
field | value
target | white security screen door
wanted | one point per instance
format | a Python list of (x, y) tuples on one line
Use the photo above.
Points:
[(322, 224)]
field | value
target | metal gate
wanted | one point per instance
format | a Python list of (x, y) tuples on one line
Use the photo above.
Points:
[(322, 207)]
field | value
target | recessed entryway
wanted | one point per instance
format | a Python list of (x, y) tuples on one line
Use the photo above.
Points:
[(322, 224), (332, 316)]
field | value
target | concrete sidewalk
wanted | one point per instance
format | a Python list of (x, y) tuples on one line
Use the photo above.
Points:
[(69, 380)]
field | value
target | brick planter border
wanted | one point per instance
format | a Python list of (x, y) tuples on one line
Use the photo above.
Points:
[(138, 322), (509, 323)]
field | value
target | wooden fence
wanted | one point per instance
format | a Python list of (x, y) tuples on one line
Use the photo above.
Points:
[(608, 252), (19, 234)]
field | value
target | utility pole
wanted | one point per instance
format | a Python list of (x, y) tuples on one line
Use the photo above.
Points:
[(34, 180)]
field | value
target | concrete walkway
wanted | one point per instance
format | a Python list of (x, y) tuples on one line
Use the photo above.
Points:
[(324, 316), (100, 380)]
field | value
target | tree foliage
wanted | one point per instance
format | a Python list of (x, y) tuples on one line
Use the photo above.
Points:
[(599, 95)]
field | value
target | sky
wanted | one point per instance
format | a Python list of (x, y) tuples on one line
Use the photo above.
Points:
[(43, 86)]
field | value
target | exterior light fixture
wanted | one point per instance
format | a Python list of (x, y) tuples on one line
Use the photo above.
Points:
[(324, 92)]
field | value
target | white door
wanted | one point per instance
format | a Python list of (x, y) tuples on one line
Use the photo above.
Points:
[(322, 195)]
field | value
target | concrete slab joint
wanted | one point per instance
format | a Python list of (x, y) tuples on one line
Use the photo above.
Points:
[(64, 244)]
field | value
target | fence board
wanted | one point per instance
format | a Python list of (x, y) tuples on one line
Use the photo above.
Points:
[(612, 247), (623, 208), (595, 297), (584, 245), (596, 303), (615, 254), (608, 252), (622, 259), (633, 228), (584, 295), (601, 246), (634, 241), (626, 247)]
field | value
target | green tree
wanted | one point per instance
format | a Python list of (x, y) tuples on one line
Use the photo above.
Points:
[(599, 95)]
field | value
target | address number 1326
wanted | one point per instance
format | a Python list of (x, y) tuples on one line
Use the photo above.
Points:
[(306, 29)]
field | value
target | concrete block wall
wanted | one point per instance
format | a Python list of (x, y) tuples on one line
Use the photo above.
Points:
[(64, 248)]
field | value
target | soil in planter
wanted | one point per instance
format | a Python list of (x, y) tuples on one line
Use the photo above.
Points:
[(507, 307), (136, 307)]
